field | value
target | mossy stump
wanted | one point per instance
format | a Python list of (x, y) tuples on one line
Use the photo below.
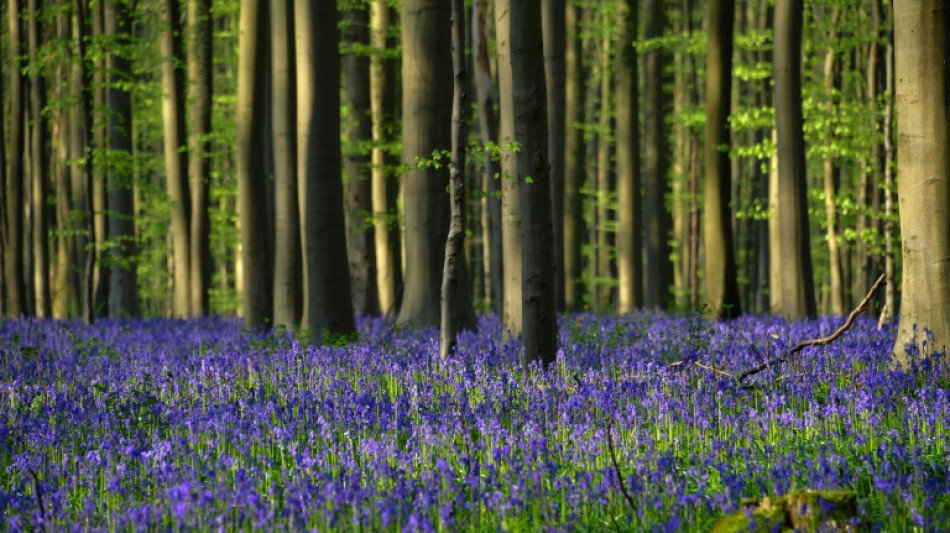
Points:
[(805, 510)]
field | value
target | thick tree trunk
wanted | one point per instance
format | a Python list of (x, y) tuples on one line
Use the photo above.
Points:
[(722, 288), (659, 268), (451, 320), (13, 260), (921, 41), (250, 117), (491, 180), (287, 266), (327, 302), (539, 307), (39, 169), (426, 89), (629, 203), (356, 166), (385, 187), (552, 20), (200, 81), (176, 157), (794, 294)]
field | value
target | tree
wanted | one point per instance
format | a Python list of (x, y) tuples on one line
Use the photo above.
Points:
[(200, 80), (287, 222), (792, 291), (327, 298), (629, 204), (539, 307), (921, 30), (250, 117), (359, 187), (553, 21), (39, 167), (426, 89), (176, 157), (574, 172), (13, 260), (722, 287), (831, 174), (382, 103), (659, 268), (454, 242)]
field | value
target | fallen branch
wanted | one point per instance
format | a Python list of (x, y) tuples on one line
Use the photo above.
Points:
[(613, 459), (862, 307)]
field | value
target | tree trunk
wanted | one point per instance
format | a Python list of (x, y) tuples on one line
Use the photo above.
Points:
[(921, 29), (426, 118), (659, 269), (491, 180), (603, 271), (176, 158), (66, 284), (81, 135), (250, 117), (794, 295), (574, 174), (830, 177), (356, 165), (200, 81), (629, 204), (890, 225), (39, 168), (287, 267), (552, 20), (385, 187), (327, 298), (13, 260), (539, 307), (100, 203), (451, 320), (722, 288)]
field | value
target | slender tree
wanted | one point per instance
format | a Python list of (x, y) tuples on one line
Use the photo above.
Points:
[(629, 203), (831, 173), (921, 41), (176, 157), (327, 299), (82, 150), (250, 117), (792, 290), (200, 84), (287, 267), (574, 171), (722, 288), (553, 28), (13, 260), (426, 112), (39, 167), (100, 120)]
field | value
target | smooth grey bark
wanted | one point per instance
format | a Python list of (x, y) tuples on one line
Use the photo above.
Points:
[(629, 201), (100, 121), (658, 222), (200, 85), (176, 157), (574, 172), (65, 287), (830, 176), (287, 267), (13, 260), (356, 166), (553, 29), (426, 112), (250, 116), (921, 41), (539, 307), (792, 293), (722, 288), (39, 168), (120, 218), (81, 149), (328, 307)]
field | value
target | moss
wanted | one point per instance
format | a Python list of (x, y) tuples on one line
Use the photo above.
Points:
[(803, 510)]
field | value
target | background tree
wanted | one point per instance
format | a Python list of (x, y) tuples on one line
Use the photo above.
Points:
[(426, 89), (200, 90), (921, 30), (792, 286), (13, 260), (574, 172), (720, 271), (629, 202), (553, 21), (327, 298), (39, 167)]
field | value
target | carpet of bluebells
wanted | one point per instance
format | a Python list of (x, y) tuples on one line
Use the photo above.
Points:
[(201, 425)]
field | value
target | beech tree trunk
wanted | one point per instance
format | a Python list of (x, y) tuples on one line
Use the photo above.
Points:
[(830, 179), (200, 80), (574, 173), (553, 22), (39, 169), (13, 261)]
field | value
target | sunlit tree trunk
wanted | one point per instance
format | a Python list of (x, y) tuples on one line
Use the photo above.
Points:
[(250, 116), (921, 29), (81, 150), (13, 260), (327, 302), (385, 187), (629, 202), (720, 271), (200, 73), (100, 146), (176, 157), (356, 165), (39, 168), (65, 287), (792, 291), (830, 177), (603, 265)]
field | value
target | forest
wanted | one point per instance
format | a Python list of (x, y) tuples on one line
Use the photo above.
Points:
[(472, 265)]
